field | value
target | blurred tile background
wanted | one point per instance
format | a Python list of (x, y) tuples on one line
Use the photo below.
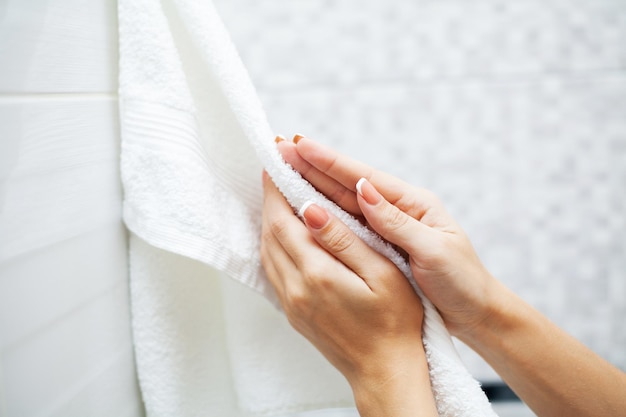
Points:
[(512, 112)]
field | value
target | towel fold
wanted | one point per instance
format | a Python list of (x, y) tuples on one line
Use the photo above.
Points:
[(194, 141)]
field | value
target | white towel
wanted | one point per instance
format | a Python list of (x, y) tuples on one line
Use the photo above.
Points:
[(194, 140)]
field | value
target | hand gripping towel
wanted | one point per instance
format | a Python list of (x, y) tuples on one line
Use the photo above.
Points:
[(194, 141)]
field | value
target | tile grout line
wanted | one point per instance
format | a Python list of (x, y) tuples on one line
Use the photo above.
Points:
[(24, 97)]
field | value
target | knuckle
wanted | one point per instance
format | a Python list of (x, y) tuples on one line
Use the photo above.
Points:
[(317, 278), (338, 194), (338, 240), (394, 218), (302, 301), (312, 272), (321, 280), (436, 258), (267, 241), (278, 227), (266, 237), (442, 247), (327, 284), (298, 302)]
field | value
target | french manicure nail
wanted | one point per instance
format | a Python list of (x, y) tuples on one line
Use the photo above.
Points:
[(279, 138), (314, 215), (368, 192), (297, 138)]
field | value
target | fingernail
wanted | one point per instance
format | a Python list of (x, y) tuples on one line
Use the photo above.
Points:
[(368, 192), (314, 215), (279, 138), (297, 138)]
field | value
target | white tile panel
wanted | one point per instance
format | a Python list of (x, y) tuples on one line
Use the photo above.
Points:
[(51, 46), (113, 392), (59, 170), (50, 368), (65, 342), (43, 285)]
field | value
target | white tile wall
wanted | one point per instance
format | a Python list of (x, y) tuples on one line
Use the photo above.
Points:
[(65, 342), (71, 141), (62, 46)]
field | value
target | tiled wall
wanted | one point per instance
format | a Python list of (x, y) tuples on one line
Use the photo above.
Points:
[(513, 112), (65, 342)]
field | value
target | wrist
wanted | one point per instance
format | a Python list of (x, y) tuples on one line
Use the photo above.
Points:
[(484, 303), (501, 315), (398, 386)]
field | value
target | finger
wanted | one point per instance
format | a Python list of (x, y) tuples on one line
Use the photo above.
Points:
[(331, 188), (268, 248), (347, 171), (336, 238), (276, 262), (297, 243), (288, 230), (392, 223), (276, 256)]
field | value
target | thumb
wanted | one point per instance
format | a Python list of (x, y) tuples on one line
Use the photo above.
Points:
[(390, 222)]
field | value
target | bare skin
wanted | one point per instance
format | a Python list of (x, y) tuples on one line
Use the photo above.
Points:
[(353, 304), (551, 371)]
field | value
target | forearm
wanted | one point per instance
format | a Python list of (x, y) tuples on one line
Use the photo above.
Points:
[(401, 392), (551, 371)]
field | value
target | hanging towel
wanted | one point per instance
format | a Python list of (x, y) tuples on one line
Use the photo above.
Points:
[(194, 141)]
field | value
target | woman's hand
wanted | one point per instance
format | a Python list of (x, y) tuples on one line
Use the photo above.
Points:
[(352, 303), (442, 258), (550, 370)]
